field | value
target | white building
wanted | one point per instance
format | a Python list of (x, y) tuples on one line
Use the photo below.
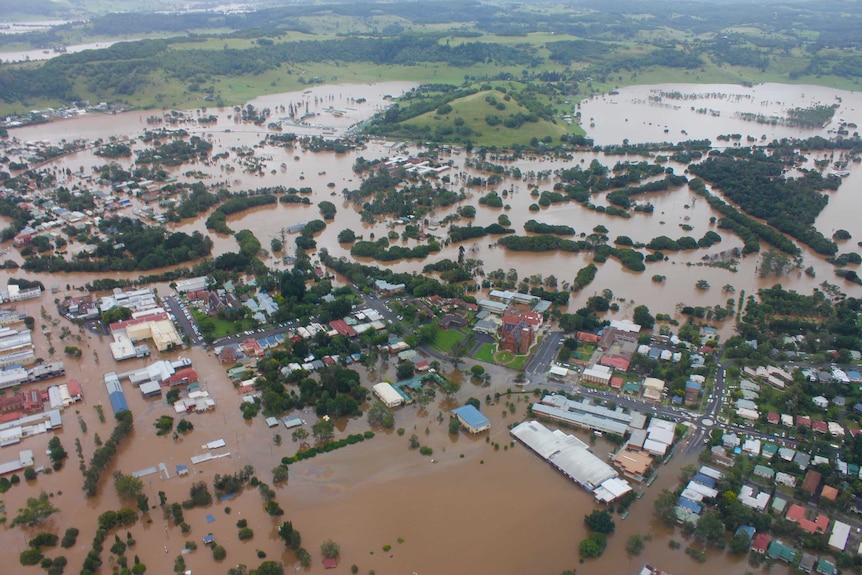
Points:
[(839, 535), (387, 394)]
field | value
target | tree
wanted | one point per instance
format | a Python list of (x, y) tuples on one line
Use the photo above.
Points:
[(323, 430), (643, 317), (740, 544), (29, 473), (270, 568), (279, 474), (635, 545), (405, 370), (600, 521), (219, 553), (380, 416), (330, 549), (128, 486), (665, 505), (346, 236), (38, 509), (454, 426), (710, 529)]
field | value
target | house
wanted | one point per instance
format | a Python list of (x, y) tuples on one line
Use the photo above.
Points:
[(829, 493), (757, 500), (797, 514), (692, 391), (653, 388), (811, 481), (785, 479), (825, 567), (773, 418), (764, 472), (778, 550), (760, 543), (806, 563)]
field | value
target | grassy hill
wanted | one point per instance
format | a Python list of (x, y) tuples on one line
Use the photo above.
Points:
[(487, 118)]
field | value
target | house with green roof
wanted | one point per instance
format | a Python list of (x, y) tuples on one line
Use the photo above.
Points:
[(778, 550), (769, 450), (825, 567), (763, 471)]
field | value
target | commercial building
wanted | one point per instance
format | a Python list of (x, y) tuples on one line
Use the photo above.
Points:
[(653, 388), (472, 419), (583, 414), (387, 394), (599, 374), (570, 456)]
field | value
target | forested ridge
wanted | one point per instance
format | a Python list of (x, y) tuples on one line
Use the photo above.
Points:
[(593, 41)]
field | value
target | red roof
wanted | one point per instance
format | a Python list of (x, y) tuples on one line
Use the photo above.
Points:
[(803, 421), (819, 426), (328, 360), (773, 417), (616, 361), (796, 514), (152, 317), (75, 388), (589, 337), (6, 417), (342, 328), (330, 563), (616, 382), (183, 376), (761, 542), (421, 365)]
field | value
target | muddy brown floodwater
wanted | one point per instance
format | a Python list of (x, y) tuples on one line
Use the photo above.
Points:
[(490, 511)]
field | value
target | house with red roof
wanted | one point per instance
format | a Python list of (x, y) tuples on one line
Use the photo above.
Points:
[(183, 376), (797, 514), (820, 426), (251, 347), (803, 421), (761, 543), (773, 417), (587, 337)]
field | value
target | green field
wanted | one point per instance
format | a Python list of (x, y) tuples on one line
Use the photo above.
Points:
[(486, 353), (446, 339), (471, 115)]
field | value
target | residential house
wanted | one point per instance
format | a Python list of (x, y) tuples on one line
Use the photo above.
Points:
[(760, 543), (797, 514)]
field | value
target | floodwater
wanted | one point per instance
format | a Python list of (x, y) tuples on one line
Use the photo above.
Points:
[(502, 510), (336, 109), (493, 510)]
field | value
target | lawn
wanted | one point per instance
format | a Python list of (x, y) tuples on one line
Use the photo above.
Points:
[(446, 339), (222, 327), (584, 352), (489, 354), (486, 353)]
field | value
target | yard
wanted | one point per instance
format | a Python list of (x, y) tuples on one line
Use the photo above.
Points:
[(489, 354), (220, 327), (447, 338)]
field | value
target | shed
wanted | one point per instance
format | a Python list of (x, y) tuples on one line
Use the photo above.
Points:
[(472, 419)]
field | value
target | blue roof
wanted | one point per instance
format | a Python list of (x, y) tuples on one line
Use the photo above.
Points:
[(687, 503), (692, 385), (748, 530), (654, 353), (853, 374), (704, 480), (472, 416), (676, 399), (118, 401)]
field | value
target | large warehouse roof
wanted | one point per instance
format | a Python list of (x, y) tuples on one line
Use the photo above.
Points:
[(565, 452)]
